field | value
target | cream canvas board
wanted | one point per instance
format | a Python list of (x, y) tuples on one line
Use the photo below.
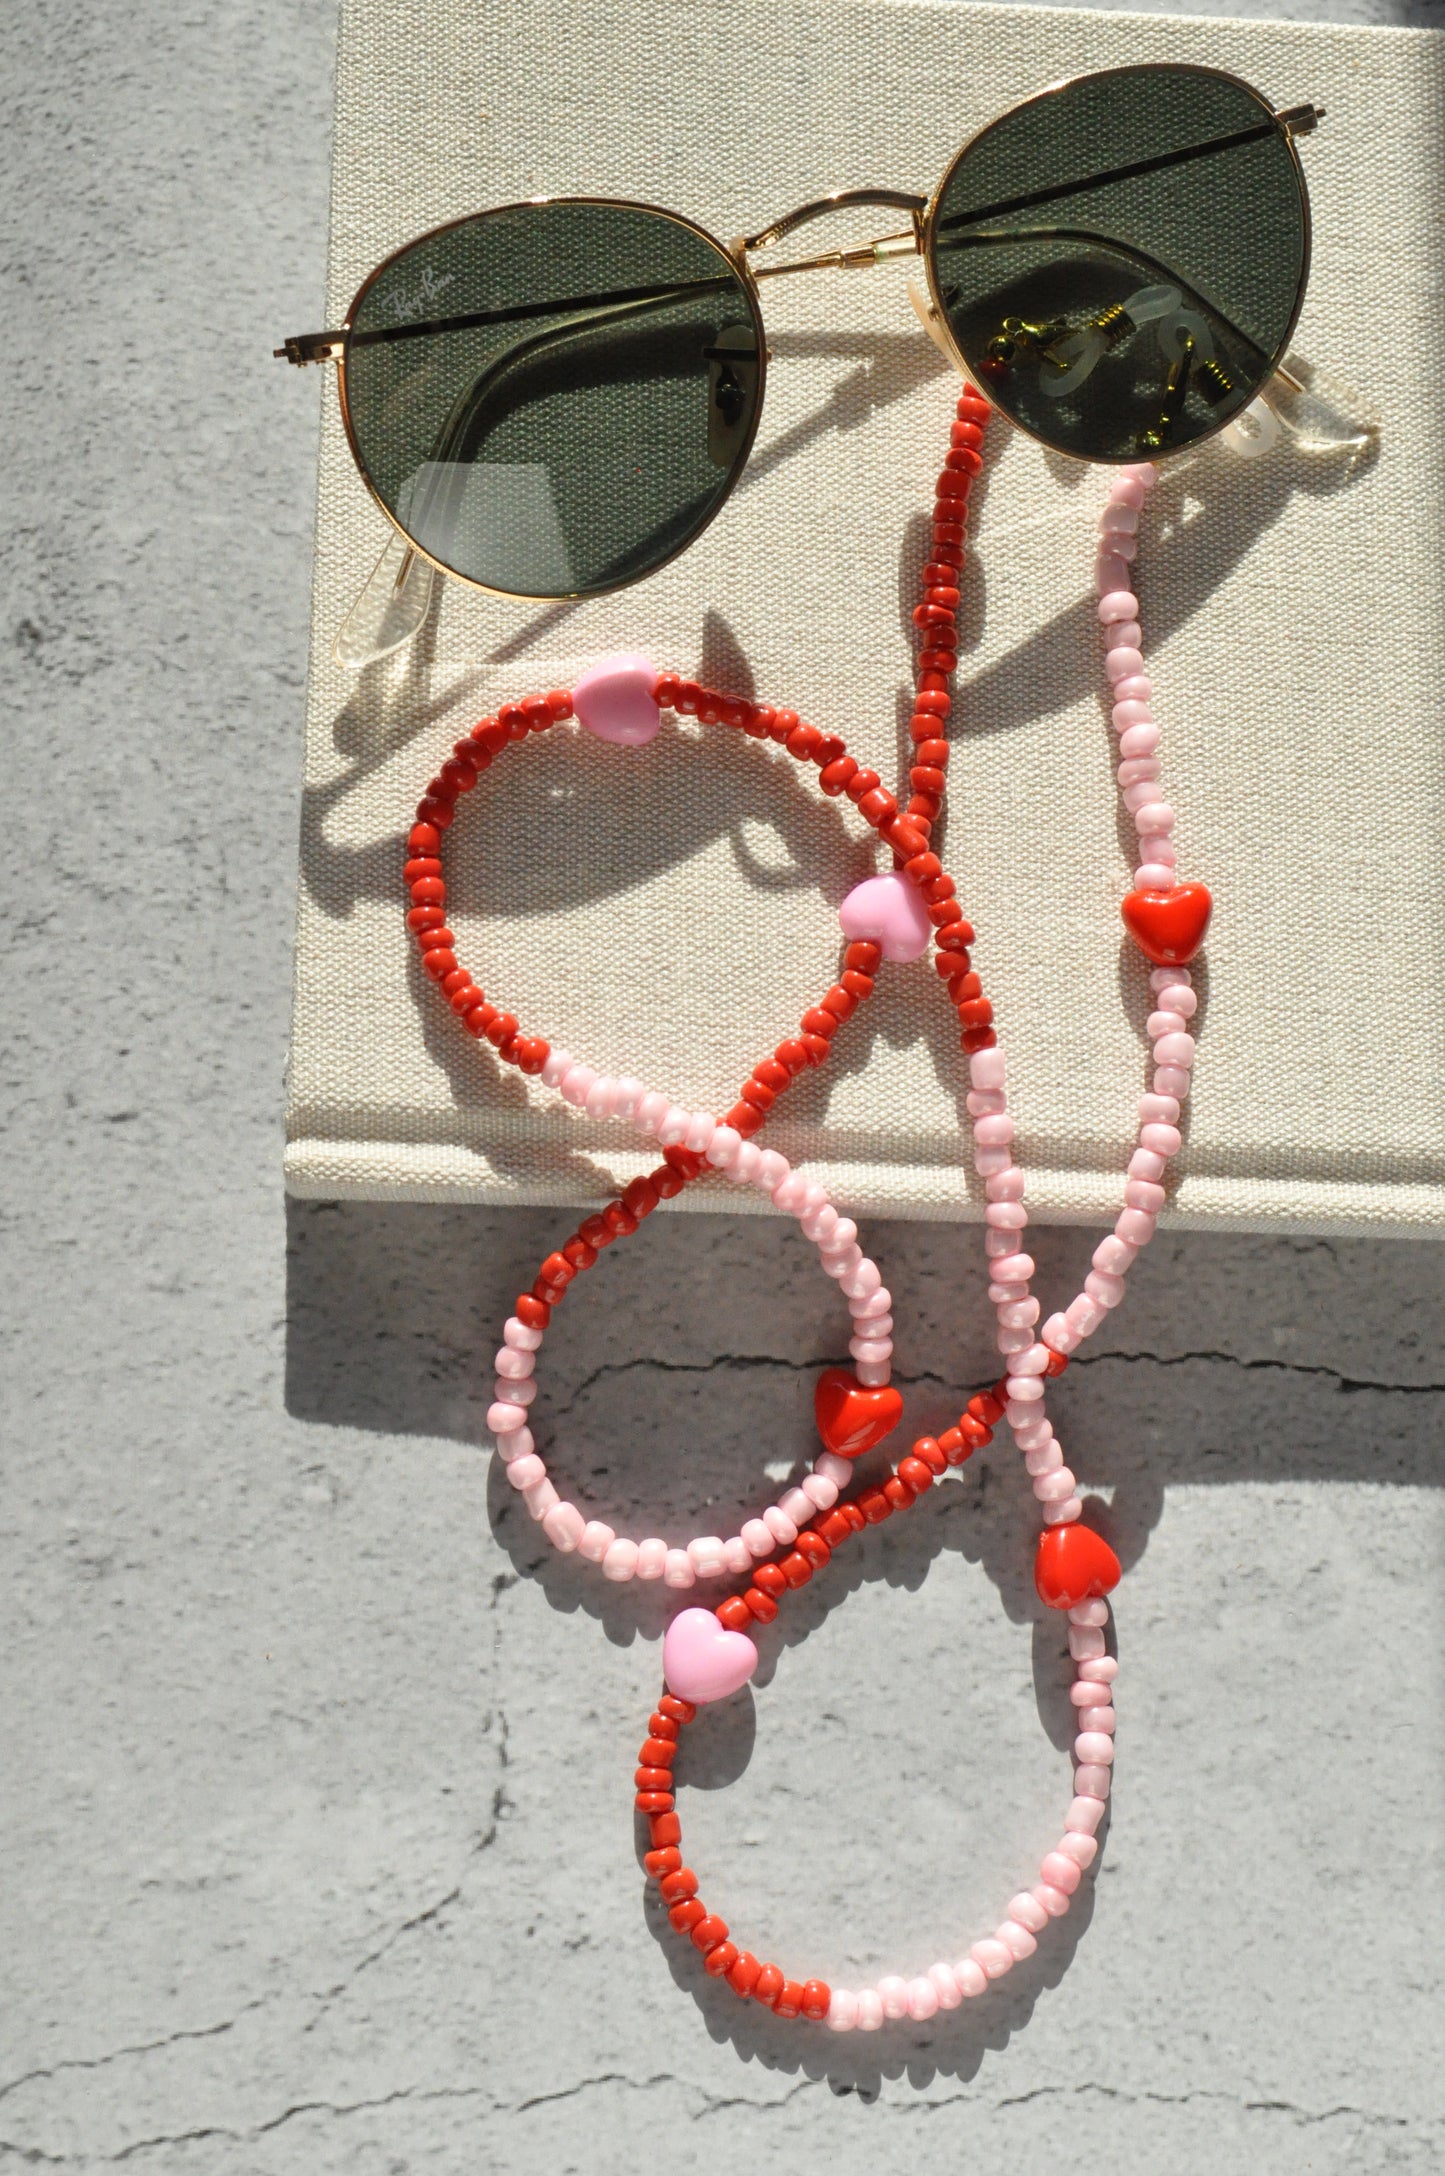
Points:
[(670, 912)]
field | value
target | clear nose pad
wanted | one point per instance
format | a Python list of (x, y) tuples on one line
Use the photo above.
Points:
[(732, 392), (391, 607)]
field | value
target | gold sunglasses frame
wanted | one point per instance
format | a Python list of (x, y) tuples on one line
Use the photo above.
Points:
[(305, 348)]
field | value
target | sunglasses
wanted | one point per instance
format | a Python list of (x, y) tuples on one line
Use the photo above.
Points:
[(554, 399)]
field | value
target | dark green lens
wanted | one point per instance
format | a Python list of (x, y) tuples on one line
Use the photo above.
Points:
[(1121, 261), (554, 398)]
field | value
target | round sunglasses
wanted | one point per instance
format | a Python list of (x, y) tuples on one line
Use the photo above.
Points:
[(554, 399)]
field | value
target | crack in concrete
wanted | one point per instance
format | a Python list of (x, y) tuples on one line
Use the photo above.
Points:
[(139, 2047)]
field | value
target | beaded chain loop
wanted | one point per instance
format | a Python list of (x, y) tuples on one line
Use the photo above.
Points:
[(709, 1653)]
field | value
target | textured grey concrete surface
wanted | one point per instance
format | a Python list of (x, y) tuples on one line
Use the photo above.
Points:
[(318, 1846)]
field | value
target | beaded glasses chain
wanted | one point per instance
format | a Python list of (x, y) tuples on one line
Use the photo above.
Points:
[(708, 1653)]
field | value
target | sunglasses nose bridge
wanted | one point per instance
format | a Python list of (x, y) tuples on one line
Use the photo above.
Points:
[(841, 200)]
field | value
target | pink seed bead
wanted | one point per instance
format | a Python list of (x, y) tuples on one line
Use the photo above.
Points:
[(922, 2000), (1053, 1900), (981, 1102), (1027, 1910), (1163, 1023), (1136, 690), (1124, 635), (1018, 1314), (1120, 604), (630, 1093), (758, 1537), (1129, 714), (1084, 1817), (1057, 1334), (1005, 1185), (893, 1994), (507, 1392), (1128, 491), (1054, 1488), (1011, 1342), (1084, 1314), (701, 1127), (986, 1068), (1157, 1110), (1016, 1939), (557, 1066), (651, 1558), (872, 1374), (1177, 997), (1060, 1872), (563, 1527), (821, 1493), (871, 1349), (1111, 571), (971, 1977), (1033, 1362), (995, 1131), (519, 1443), (1063, 1514), (988, 1161), (1155, 876), (597, 1539), (577, 1082), (1144, 1195), (678, 1571), (513, 1365), (842, 2009), (1047, 1457), (1154, 821), (1103, 1289), (517, 1333), (540, 1498), (1092, 1780), (1134, 797), (1161, 1140), (746, 1163), (503, 1418), (1013, 1269), (945, 1982), (795, 1505), (788, 1193), (522, 1472), (1139, 743), (1138, 770), (620, 1562), (1117, 515), (1094, 1611), (706, 1554), (992, 1956), (1082, 1849), (724, 1146), (1104, 1719), (1122, 665), (1175, 1049), (1173, 1080), (1094, 1747), (737, 1556), (1006, 1216), (1114, 1257), (782, 1528), (1098, 1669), (1024, 1390), (601, 1097), (835, 1469), (1135, 1228), (870, 2010), (1145, 1164)]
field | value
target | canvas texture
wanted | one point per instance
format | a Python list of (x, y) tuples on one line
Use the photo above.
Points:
[(670, 912)]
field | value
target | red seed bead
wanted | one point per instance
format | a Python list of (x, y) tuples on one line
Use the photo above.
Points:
[(915, 1474), (863, 956), (840, 1001), (834, 1528), (928, 1451), (978, 1039), (428, 891), (768, 1985), (853, 1513), (899, 1494), (965, 989), (433, 809), (943, 911), (664, 689), (734, 1614), (975, 1434), (678, 1885), (759, 717), (793, 1055), (657, 1863), (423, 920), (465, 1000), (669, 1183), (641, 1198), (874, 806), (975, 1012), (810, 1543), (720, 1961), (619, 1221), (953, 1446), (875, 1506), (934, 752), (952, 483), (828, 750), (962, 460), (594, 1230), (559, 702), (664, 1831), (819, 1021), (651, 1779), (679, 1710), (423, 839), (987, 1408), (478, 1018), (658, 1752), (862, 781), (771, 1580), (557, 1269), (579, 1254), (817, 1995), (795, 1568), (513, 719), (956, 939), (965, 434), (456, 979), (782, 724), (690, 1913), (502, 1029), (744, 1118), (1056, 1362), (742, 1974), (858, 986), (789, 1999), (708, 1931), (650, 1801), (439, 962), (662, 1726), (760, 1605), (943, 661), (420, 867), (923, 868), (926, 779), (803, 742), (536, 711), (534, 1314)]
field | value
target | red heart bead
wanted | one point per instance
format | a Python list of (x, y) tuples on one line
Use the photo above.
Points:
[(1168, 927), (851, 1419), (1074, 1564)]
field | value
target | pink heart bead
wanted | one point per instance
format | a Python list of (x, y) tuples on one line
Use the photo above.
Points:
[(890, 911), (702, 1660), (615, 701)]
